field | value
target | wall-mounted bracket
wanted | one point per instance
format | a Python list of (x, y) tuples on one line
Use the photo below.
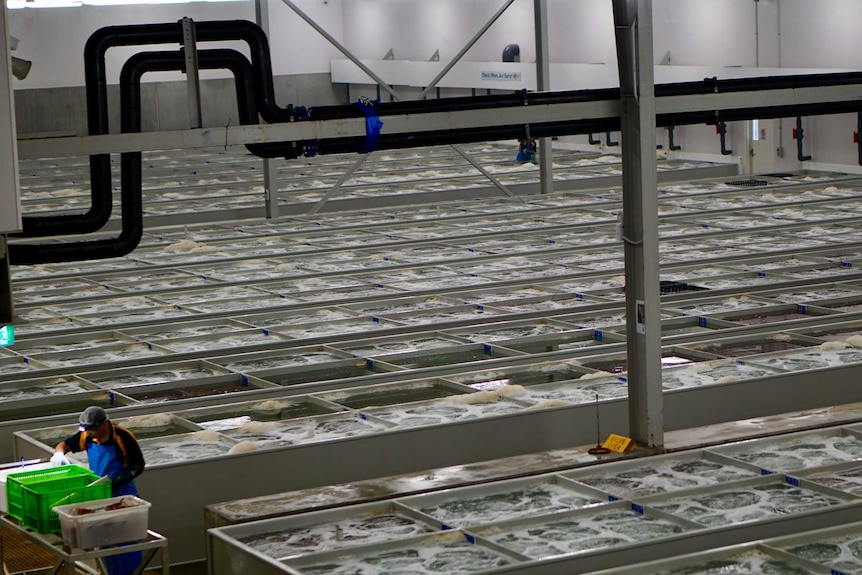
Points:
[(721, 130), (594, 141), (670, 145), (798, 135), (608, 141), (856, 137)]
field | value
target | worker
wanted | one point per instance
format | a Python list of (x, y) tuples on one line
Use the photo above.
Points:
[(113, 451), (526, 151)]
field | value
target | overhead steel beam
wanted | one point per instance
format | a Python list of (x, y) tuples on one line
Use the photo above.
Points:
[(671, 109), (310, 130)]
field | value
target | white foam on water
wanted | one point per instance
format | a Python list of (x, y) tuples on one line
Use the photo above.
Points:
[(744, 563), (445, 410), (348, 531), (663, 477), (519, 501), (839, 553), (305, 430), (457, 557), (734, 506), (243, 447), (148, 421), (806, 451), (602, 530)]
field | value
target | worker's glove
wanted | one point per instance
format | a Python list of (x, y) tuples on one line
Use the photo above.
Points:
[(59, 459)]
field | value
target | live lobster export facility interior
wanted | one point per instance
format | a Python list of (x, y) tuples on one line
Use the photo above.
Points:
[(531, 287)]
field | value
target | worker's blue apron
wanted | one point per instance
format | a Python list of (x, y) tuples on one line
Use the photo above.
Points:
[(103, 461)]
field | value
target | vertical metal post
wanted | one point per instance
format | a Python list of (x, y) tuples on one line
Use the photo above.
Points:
[(543, 84), (270, 172), (192, 76), (10, 219), (7, 309), (270, 188), (633, 23)]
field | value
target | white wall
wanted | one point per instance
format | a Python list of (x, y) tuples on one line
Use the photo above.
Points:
[(414, 29), (54, 38), (822, 33), (788, 33)]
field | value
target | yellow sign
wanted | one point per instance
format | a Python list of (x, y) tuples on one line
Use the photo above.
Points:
[(618, 443)]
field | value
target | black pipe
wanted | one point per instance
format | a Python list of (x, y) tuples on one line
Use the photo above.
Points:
[(239, 66), (709, 117), (721, 127), (208, 31), (715, 86), (670, 143), (271, 112), (859, 137), (105, 38), (485, 134), (130, 162), (101, 200), (800, 134)]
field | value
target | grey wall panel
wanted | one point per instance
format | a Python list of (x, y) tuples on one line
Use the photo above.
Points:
[(55, 110), (149, 108), (309, 90), (164, 105), (173, 108)]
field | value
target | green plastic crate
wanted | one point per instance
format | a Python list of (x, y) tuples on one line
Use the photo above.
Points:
[(33, 494), (16, 481)]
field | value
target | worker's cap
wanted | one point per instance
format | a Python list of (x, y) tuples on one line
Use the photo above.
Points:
[(91, 418)]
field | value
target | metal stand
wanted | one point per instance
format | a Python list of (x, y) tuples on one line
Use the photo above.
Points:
[(68, 559)]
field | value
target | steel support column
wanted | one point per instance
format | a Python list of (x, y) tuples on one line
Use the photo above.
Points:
[(270, 172), (10, 219), (633, 23), (543, 84)]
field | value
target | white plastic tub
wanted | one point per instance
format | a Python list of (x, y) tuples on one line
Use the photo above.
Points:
[(4, 499), (101, 525)]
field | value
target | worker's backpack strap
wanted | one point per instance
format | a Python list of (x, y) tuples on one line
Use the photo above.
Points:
[(118, 438)]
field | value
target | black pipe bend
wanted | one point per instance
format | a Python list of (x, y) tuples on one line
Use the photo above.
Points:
[(266, 107), (131, 173)]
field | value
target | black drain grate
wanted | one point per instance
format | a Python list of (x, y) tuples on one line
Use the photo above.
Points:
[(751, 183), (668, 287)]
